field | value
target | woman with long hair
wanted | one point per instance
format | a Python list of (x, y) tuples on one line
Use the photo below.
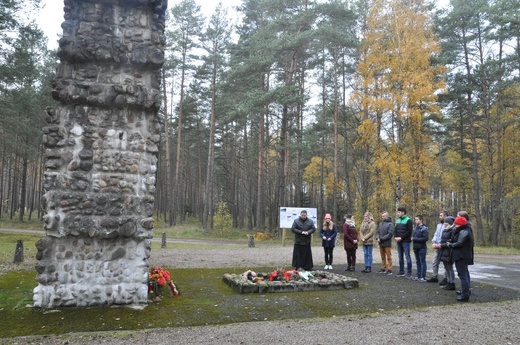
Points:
[(350, 241), (328, 233), (367, 232)]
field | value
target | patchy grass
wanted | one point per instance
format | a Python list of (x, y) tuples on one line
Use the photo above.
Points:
[(8, 241), (206, 300), (16, 224), (181, 245), (8, 245), (192, 229), (497, 250)]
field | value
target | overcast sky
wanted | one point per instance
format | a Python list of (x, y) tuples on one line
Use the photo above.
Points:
[(51, 16)]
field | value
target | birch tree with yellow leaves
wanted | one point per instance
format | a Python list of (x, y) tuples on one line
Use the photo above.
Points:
[(396, 97)]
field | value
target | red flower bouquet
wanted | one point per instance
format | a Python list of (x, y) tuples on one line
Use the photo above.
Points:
[(159, 277)]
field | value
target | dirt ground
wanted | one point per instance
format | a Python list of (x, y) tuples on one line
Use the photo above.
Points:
[(460, 323)]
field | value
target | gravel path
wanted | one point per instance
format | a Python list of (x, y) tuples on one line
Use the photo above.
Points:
[(471, 323)]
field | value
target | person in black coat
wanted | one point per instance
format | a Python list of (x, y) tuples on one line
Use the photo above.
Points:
[(419, 239), (445, 253), (462, 254), (303, 228)]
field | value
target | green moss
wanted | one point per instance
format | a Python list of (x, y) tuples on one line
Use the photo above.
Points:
[(205, 299)]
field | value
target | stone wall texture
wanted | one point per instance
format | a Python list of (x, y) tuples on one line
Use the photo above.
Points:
[(101, 145)]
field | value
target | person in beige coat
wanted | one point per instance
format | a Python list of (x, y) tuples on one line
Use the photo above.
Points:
[(367, 232)]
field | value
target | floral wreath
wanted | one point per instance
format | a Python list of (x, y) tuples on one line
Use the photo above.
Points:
[(279, 275)]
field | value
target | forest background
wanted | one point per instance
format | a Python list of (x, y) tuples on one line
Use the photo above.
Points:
[(343, 105)]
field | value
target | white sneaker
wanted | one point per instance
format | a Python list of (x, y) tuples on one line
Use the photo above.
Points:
[(330, 267), (326, 267)]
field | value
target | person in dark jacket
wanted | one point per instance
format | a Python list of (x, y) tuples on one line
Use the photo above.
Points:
[(462, 254), (465, 214), (403, 237), (350, 241), (445, 253), (419, 238), (328, 233), (385, 231), (303, 228)]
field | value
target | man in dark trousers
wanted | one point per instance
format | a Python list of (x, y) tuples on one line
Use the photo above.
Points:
[(403, 237)]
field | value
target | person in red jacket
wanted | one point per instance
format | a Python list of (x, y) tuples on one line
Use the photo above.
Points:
[(350, 241), (461, 244)]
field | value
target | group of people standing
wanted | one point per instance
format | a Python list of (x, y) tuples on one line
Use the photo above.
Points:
[(452, 243)]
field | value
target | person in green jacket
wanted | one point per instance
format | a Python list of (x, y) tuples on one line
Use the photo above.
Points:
[(403, 237)]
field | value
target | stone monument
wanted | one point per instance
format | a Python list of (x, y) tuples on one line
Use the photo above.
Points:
[(101, 145)]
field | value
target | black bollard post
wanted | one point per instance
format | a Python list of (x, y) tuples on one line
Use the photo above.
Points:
[(163, 242), (18, 253)]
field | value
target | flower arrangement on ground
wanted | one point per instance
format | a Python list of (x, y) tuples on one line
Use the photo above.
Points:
[(278, 275), (159, 277)]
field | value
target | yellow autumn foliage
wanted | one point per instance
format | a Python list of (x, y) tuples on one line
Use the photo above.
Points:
[(312, 176), (397, 87)]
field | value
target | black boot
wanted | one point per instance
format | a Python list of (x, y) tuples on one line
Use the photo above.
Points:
[(433, 279), (462, 299), (449, 286), (369, 269), (365, 270), (459, 292), (353, 268)]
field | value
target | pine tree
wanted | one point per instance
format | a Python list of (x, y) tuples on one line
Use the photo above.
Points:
[(216, 36), (24, 94), (183, 34)]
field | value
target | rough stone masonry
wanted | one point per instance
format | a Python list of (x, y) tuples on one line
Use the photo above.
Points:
[(101, 145)]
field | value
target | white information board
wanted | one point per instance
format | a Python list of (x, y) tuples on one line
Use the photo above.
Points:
[(289, 214)]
